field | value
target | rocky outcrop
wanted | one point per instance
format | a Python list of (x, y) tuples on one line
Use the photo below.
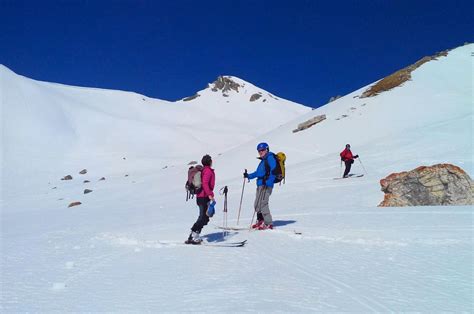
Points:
[(225, 84), (102, 179), (399, 77), (310, 123), (86, 191), (441, 184), (83, 171), (74, 204), (68, 177)]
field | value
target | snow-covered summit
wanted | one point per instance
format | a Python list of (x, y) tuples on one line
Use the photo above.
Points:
[(228, 86)]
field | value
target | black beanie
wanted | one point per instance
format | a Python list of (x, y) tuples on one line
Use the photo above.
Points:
[(206, 160)]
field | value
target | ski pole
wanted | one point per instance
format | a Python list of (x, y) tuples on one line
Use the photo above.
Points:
[(362, 165), (251, 222), (241, 197), (224, 223)]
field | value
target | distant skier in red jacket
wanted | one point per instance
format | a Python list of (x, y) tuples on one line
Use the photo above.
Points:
[(348, 159)]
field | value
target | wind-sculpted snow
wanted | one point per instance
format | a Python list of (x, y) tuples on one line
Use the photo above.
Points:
[(332, 250)]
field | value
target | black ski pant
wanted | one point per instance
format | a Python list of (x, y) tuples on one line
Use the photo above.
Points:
[(203, 219), (348, 166)]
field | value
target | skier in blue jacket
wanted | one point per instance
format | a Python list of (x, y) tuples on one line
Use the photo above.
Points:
[(265, 181)]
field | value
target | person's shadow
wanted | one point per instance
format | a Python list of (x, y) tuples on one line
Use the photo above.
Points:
[(226, 234), (280, 223), (219, 236)]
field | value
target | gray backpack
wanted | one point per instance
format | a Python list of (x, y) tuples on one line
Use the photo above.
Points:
[(194, 183)]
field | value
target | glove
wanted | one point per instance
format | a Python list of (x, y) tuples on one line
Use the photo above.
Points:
[(246, 175), (342, 159), (211, 210), (356, 156)]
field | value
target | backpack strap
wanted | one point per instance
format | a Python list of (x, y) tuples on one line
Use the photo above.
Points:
[(267, 166)]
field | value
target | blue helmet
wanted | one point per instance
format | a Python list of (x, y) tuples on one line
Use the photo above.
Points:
[(262, 146)]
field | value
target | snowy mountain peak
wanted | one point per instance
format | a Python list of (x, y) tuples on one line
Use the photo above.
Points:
[(231, 88)]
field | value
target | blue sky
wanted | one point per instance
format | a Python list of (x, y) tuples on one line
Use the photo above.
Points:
[(305, 51)]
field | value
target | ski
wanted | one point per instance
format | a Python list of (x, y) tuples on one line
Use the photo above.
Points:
[(233, 228), (226, 244), (351, 176), (249, 229), (222, 244)]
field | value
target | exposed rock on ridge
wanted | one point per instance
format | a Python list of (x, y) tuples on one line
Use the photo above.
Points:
[(399, 77), (226, 84)]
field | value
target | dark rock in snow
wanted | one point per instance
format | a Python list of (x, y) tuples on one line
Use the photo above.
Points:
[(334, 98), (309, 123), (191, 97), (255, 97), (68, 177)]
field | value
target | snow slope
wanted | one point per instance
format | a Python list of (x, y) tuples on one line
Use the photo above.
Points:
[(121, 249), (50, 129)]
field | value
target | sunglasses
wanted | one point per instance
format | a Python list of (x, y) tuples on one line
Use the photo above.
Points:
[(262, 150)]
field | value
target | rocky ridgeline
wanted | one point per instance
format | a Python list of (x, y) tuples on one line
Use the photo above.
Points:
[(401, 76), (441, 184)]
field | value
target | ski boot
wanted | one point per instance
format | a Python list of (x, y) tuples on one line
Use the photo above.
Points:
[(193, 238), (265, 227)]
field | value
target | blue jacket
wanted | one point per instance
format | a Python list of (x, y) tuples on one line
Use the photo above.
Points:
[(261, 172)]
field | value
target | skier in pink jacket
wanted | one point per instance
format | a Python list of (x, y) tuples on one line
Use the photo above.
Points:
[(204, 200)]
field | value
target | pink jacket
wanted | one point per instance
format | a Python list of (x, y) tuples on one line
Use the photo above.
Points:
[(208, 181)]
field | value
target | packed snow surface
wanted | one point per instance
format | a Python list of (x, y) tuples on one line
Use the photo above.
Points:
[(332, 248)]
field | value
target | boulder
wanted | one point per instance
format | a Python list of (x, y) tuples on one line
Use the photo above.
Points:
[(74, 204), (68, 177), (87, 191), (83, 171), (441, 184)]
